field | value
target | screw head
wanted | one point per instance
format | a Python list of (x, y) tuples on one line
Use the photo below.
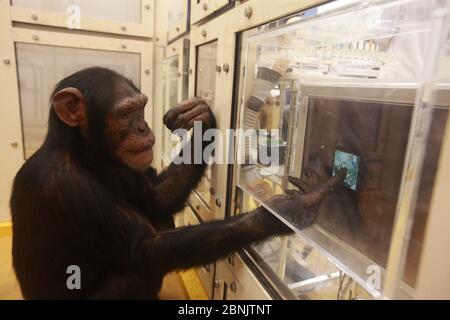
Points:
[(124, 46), (35, 37), (190, 70), (178, 29), (226, 67), (34, 16), (205, 6), (212, 191), (14, 144), (248, 11), (6, 61), (123, 27), (147, 6), (147, 71), (216, 284), (218, 69), (218, 202), (204, 33)]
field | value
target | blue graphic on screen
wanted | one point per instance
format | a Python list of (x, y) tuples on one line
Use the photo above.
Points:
[(351, 163)]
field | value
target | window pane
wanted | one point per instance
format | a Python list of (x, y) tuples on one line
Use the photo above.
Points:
[(122, 10), (205, 88), (39, 70)]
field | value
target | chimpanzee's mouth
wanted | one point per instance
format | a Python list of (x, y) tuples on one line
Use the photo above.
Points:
[(146, 148)]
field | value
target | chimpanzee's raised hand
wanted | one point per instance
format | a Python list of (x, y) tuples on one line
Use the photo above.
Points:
[(188, 111), (301, 207)]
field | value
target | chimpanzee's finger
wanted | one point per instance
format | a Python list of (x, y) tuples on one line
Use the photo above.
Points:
[(312, 178), (292, 193), (300, 184), (183, 118), (184, 106), (203, 117)]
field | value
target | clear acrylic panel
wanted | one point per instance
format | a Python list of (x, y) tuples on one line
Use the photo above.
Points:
[(435, 108), (41, 67), (205, 88), (340, 90), (176, 13), (171, 81), (304, 270), (121, 10)]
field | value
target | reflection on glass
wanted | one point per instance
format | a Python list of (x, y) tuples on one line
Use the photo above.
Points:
[(171, 80), (39, 70), (340, 91), (376, 135), (121, 10), (205, 88), (304, 270)]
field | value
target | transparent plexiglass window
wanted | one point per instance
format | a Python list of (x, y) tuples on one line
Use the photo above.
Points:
[(205, 88), (40, 68), (340, 90), (176, 13), (171, 81), (438, 105), (121, 10), (305, 270)]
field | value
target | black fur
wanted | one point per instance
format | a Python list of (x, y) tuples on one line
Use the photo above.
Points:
[(72, 204)]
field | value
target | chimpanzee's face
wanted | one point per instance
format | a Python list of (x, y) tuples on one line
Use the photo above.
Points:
[(128, 135)]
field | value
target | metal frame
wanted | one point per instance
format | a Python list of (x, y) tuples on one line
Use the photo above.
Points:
[(205, 8), (57, 19)]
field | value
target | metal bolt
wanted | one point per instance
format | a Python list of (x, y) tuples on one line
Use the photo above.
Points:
[(216, 284), (218, 202), (35, 37), (123, 27), (14, 144), (6, 61), (226, 67), (204, 33), (197, 207), (34, 16), (205, 6), (124, 46), (147, 6), (190, 70), (248, 11), (233, 287), (179, 74), (231, 260), (174, 49), (147, 71), (178, 29), (156, 39), (212, 191), (218, 69)]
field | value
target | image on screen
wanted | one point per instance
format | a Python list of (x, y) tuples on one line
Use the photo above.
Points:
[(351, 163)]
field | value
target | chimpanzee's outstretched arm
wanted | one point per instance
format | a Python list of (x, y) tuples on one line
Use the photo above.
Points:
[(205, 243)]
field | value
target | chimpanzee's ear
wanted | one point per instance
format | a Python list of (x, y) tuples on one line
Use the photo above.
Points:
[(69, 106)]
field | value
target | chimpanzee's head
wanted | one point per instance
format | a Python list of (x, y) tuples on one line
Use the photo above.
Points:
[(106, 111)]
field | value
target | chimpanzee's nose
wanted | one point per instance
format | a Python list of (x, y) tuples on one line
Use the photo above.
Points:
[(143, 127)]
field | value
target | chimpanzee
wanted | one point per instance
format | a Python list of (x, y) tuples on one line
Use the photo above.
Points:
[(90, 198)]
